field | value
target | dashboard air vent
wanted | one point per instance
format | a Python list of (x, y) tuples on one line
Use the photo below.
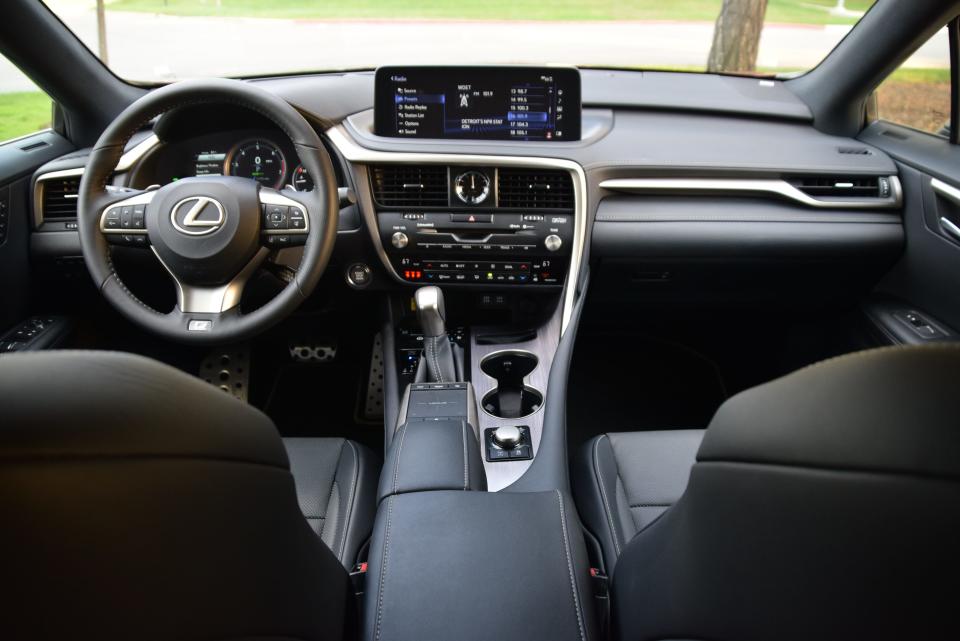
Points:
[(411, 186), (843, 186), (60, 197), (535, 189)]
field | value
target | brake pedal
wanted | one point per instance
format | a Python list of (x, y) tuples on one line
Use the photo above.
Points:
[(373, 402)]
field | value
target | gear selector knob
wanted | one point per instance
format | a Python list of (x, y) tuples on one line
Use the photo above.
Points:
[(431, 311)]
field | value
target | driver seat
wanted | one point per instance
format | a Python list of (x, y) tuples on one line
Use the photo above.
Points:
[(139, 502)]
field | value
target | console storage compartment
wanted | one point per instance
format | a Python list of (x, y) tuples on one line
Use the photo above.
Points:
[(477, 566)]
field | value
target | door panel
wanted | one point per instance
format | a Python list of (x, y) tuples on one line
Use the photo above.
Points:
[(927, 276), (19, 158)]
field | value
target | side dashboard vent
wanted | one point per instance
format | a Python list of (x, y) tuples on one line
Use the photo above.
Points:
[(843, 186), (410, 186), (60, 197), (535, 189)]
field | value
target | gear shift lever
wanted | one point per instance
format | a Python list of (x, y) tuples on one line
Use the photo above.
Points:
[(438, 353)]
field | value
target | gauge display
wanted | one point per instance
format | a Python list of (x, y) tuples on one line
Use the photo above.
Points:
[(472, 187), (301, 179), (258, 159)]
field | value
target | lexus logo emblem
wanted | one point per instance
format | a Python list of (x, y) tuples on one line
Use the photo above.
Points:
[(198, 215)]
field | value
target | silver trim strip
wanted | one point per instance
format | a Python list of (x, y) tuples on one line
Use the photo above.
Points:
[(213, 300), (772, 186), (355, 153), (947, 191), (126, 162), (952, 194)]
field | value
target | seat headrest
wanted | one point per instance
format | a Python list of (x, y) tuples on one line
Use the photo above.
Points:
[(889, 410), (81, 404)]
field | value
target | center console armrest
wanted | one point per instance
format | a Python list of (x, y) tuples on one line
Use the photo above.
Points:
[(433, 454), (475, 566), (435, 446)]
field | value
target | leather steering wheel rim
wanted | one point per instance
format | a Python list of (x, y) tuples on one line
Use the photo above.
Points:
[(321, 205)]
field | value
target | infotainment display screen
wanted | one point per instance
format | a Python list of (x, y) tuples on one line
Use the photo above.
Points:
[(479, 103)]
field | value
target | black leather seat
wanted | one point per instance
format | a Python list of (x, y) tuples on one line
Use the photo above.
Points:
[(825, 504), (624, 481), (141, 503), (336, 483)]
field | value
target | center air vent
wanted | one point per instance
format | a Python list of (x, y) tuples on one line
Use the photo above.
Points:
[(535, 189), (60, 197), (843, 186), (410, 186)]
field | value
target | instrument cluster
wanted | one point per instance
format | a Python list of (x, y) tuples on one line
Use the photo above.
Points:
[(258, 155)]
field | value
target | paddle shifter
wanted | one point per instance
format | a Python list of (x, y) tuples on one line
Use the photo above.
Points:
[(438, 351)]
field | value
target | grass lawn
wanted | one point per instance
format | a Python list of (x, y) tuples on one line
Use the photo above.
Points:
[(23, 112), (796, 11)]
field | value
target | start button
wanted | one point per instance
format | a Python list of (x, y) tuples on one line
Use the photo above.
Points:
[(359, 275)]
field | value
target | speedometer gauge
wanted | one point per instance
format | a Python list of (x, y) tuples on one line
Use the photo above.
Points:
[(258, 159)]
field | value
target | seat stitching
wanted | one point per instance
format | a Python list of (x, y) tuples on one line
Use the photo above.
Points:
[(351, 498), (566, 550), (603, 495), (396, 461), (383, 569), (652, 505), (333, 486), (463, 436)]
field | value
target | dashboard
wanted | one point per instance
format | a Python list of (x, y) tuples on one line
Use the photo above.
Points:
[(641, 188)]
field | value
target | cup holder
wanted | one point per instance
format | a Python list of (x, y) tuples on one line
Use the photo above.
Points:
[(511, 398)]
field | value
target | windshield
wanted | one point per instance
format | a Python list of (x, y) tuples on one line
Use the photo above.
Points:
[(164, 40)]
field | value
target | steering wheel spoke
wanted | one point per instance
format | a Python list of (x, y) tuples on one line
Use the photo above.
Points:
[(124, 222), (217, 299), (284, 221)]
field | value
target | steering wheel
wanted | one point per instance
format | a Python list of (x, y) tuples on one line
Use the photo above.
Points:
[(211, 233)]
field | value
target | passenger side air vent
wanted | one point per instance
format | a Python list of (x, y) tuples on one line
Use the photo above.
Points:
[(60, 197), (843, 186), (535, 189), (411, 186)]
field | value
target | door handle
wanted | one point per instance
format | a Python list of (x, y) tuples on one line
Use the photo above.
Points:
[(950, 228), (951, 194)]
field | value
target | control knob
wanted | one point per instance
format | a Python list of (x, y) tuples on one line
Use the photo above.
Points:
[(507, 436), (552, 242), (399, 239)]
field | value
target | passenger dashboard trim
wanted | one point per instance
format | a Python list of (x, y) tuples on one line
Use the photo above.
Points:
[(355, 153), (771, 186)]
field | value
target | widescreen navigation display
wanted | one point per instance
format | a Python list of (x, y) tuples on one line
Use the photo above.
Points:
[(478, 103)]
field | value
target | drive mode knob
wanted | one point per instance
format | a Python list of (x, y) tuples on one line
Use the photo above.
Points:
[(399, 239), (552, 242), (507, 437)]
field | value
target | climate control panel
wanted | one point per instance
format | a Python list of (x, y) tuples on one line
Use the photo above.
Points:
[(478, 247)]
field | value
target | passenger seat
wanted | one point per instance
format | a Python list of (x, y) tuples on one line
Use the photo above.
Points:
[(624, 481)]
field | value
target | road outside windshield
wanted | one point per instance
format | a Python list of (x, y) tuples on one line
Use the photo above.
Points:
[(159, 41)]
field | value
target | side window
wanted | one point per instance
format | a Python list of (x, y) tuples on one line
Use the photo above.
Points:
[(917, 94), (24, 109)]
